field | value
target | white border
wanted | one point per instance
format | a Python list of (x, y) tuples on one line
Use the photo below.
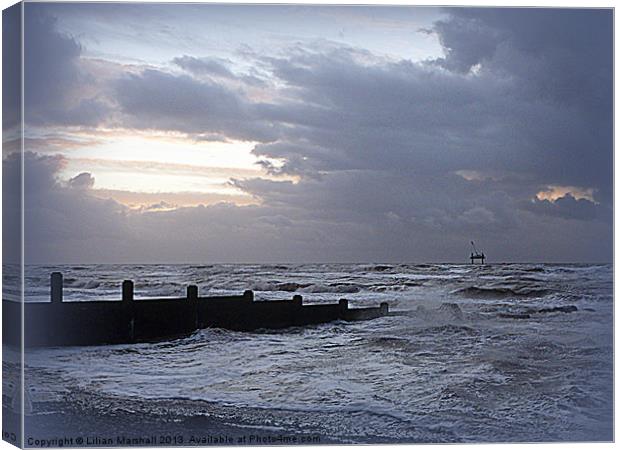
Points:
[(547, 3)]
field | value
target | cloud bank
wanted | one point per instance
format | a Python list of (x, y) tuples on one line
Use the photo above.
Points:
[(396, 160)]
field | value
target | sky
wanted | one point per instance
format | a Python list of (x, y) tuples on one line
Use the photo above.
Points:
[(299, 133)]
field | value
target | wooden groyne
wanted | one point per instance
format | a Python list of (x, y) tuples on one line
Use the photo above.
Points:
[(60, 323)]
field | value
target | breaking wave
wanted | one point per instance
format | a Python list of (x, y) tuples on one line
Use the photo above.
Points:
[(338, 288), (500, 292)]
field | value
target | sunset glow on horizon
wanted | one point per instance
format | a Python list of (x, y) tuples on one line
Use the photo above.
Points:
[(161, 164)]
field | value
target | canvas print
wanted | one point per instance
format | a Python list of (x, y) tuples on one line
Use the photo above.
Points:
[(230, 224)]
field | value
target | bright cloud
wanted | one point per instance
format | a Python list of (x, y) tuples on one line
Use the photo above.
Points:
[(553, 193)]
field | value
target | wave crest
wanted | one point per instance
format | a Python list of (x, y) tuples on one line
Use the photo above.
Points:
[(500, 292)]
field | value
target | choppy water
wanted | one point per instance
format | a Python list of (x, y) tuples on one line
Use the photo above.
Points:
[(515, 352)]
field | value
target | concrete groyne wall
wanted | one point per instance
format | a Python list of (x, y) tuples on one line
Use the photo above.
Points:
[(61, 323)]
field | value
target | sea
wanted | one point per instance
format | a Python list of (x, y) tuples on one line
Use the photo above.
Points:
[(469, 353)]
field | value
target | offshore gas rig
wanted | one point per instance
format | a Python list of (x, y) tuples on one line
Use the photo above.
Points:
[(476, 255)]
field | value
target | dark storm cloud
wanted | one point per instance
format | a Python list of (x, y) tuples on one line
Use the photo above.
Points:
[(560, 58), (215, 68), (404, 119), (158, 100), (62, 222), (422, 201), (83, 180), (204, 66), (466, 42), (522, 98), (385, 115), (55, 86), (11, 67), (402, 115)]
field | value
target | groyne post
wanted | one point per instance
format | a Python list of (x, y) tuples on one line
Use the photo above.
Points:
[(297, 300), (127, 301), (192, 297), (127, 291), (384, 308), (56, 287), (344, 306), (248, 295)]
